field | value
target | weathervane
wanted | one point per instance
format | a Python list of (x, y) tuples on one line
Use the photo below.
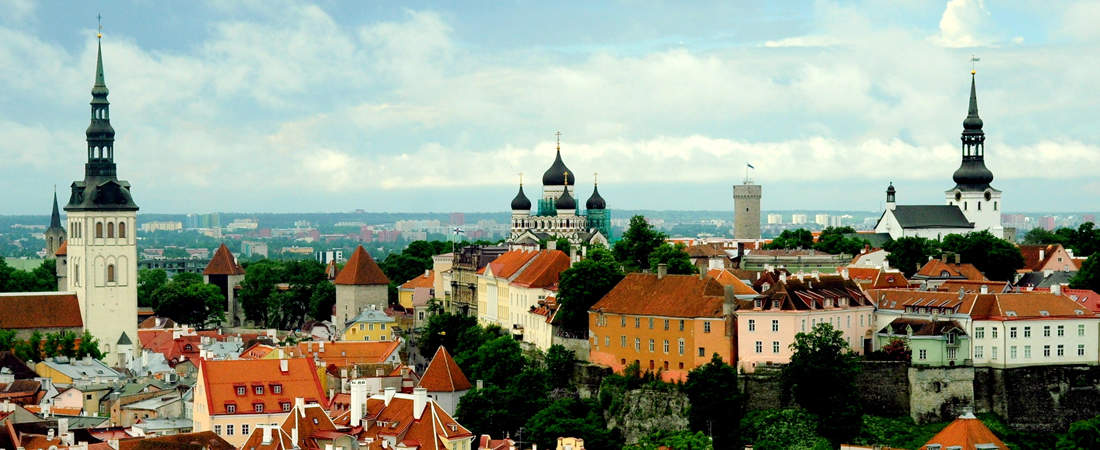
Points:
[(974, 64), (559, 139), (521, 178), (595, 178), (99, 21)]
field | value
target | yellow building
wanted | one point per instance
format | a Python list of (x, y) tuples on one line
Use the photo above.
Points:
[(233, 397), (371, 325), (406, 291)]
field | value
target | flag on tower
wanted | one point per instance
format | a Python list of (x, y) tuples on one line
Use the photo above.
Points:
[(460, 231), (750, 166)]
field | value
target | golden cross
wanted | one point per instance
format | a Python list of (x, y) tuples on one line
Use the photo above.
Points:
[(566, 177), (559, 139), (595, 178)]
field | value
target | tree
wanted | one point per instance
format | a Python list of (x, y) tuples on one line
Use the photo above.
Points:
[(7, 340), (896, 350), (638, 241), (676, 258), (1040, 236), (445, 329), (322, 300), (832, 241), (995, 257), (673, 440), (580, 287), (31, 349), (89, 346), (187, 300), (792, 239), (570, 417), (784, 429), (716, 401), (908, 254), (258, 287), (486, 411), (1081, 434), (1088, 276), (497, 361), (42, 279), (821, 375), (62, 343), (559, 365), (149, 280)]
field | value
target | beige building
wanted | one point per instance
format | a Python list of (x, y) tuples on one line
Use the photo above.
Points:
[(360, 285)]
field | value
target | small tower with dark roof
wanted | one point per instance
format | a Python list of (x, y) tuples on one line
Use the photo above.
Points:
[(890, 198), (599, 217), (224, 272), (55, 234), (979, 202), (359, 286)]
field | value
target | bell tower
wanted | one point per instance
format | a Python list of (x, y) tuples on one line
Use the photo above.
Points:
[(102, 249), (979, 202)]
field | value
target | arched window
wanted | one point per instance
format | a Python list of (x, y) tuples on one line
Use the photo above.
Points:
[(110, 273), (76, 273), (122, 229), (99, 229), (110, 229)]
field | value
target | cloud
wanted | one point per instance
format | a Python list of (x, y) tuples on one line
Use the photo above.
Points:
[(1080, 19), (965, 23)]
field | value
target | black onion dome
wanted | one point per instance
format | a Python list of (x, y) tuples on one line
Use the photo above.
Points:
[(595, 201), (521, 202), (566, 201), (891, 190), (558, 174), (973, 174)]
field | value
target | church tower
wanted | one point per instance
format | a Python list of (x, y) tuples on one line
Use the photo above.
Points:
[(102, 250), (55, 234), (979, 202)]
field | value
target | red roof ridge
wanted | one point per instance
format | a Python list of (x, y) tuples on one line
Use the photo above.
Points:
[(63, 250), (223, 263), (361, 270), (443, 374)]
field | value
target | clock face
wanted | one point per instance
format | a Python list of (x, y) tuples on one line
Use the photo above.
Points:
[(958, 196), (988, 195)]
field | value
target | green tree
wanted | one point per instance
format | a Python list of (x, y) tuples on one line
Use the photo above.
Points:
[(784, 429), (445, 329), (89, 346), (187, 300), (638, 241), (559, 365), (832, 241), (149, 280), (580, 287), (7, 340), (486, 411), (322, 300), (258, 288), (1088, 276), (31, 349), (570, 417), (62, 343), (675, 256), (895, 350), (715, 400), (907, 254), (42, 279), (995, 257), (497, 361), (673, 440), (1081, 434), (1040, 236), (792, 239), (821, 376)]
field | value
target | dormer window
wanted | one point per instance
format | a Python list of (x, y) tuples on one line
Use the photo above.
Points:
[(828, 303), (285, 406), (1044, 313), (889, 279), (276, 389), (240, 390), (1010, 313), (758, 303), (775, 304), (230, 409), (187, 348), (948, 311), (944, 273), (259, 390), (924, 310), (951, 338), (258, 407), (908, 309)]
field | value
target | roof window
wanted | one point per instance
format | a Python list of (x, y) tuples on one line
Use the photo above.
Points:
[(1044, 313), (1010, 313), (1079, 312)]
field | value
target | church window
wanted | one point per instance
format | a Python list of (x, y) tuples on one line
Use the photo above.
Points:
[(994, 206), (979, 206), (110, 229), (110, 273), (122, 229), (99, 229), (964, 205)]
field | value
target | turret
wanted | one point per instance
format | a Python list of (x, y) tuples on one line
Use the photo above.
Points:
[(890, 202)]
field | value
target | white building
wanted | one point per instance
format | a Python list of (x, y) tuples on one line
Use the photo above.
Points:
[(798, 219), (775, 219)]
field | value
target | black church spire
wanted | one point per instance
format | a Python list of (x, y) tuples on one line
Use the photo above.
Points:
[(972, 175), (55, 217)]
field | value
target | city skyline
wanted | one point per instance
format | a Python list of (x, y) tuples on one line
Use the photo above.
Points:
[(294, 106)]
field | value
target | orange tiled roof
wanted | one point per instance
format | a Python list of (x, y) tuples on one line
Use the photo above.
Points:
[(1031, 305), (428, 433), (257, 351), (63, 250), (966, 432), (890, 279), (311, 421), (222, 378), (426, 280), (40, 310), (725, 278), (508, 264), (223, 263), (443, 374), (361, 270), (280, 440), (704, 251), (544, 271), (672, 296), (935, 269), (183, 441), (971, 286), (342, 354)]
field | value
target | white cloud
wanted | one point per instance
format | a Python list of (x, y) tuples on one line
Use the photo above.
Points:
[(965, 23)]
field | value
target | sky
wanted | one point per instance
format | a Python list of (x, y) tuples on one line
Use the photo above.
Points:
[(414, 106)]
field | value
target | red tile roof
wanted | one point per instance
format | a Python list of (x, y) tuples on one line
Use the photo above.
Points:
[(223, 263), (426, 280), (971, 286), (398, 422), (443, 374), (63, 250), (183, 441), (671, 296), (936, 268), (222, 378), (1030, 305), (544, 271), (40, 310), (1084, 297), (508, 264), (312, 422), (725, 278), (361, 270), (342, 354), (966, 432)]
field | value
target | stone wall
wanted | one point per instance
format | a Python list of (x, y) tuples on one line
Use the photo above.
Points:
[(645, 411), (884, 388), (588, 377), (762, 391), (1047, 398), (580, 347), (938, 394)]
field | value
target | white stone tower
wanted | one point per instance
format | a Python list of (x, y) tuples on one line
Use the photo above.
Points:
[(102, 250), (746, 209)]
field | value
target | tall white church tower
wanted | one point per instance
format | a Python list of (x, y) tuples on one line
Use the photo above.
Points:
[(979, 202), (102, 250)]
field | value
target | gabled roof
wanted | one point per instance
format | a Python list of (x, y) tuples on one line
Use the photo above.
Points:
[(965, 433), (222, 378), (443, 374), (510, 263), (1032, 253), (930, 216), (309, 420), (426, 280), (63, 250), (361, 270), (223, 263), (671, 296), (18, 368), (205, 440), (27, 310), (810, 292), (397, 421), (725, 278), (1042, 280), (704, 251), (922, 327), (1084, 297), (937, 268), (970, 286), (544, 271), (342, 354)]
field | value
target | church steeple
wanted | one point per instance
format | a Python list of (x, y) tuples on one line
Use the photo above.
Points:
[(55, 218), (972, 175), (100, 134)]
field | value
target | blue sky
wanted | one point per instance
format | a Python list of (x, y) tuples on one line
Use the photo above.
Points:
[(282, 106)]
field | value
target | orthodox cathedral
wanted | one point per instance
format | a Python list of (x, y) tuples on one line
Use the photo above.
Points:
[(559, 215), (972, 205)]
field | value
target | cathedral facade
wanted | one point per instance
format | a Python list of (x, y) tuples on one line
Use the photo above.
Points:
[(558, 214)]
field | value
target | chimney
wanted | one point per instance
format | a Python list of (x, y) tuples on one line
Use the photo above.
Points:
[(387, 395), (783, 277), (284, 365), (420, 401), (551, 245), (702, 273), (943, 257), (1056, 289), (572, 255), (958, 258), (1042, 254), (480, 384), (50, 434), (63, 426), (729, 301), (427, 273), (985, 289), (359, 401), (662, 270), (328, 446), (267, 434)]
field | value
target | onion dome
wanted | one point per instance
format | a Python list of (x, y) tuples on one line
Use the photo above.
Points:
[(891, 190), (558, 174), (595, 201), (566, 202), (972, 173), (521, 202)]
